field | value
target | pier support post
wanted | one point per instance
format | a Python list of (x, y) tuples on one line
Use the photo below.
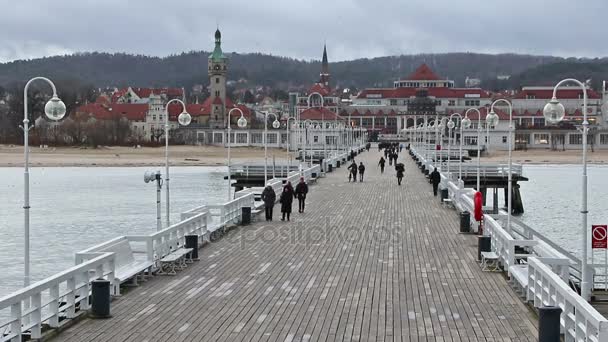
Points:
[(495, 202), (548, 324)]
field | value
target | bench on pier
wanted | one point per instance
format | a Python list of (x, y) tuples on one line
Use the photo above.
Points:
[(489, 261), (177, 259), (519, 279), (126, 267)]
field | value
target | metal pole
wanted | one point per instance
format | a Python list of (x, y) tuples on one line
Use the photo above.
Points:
[(460, 157), (26, 181), (478, 150), (265, 149), (159, 225), (168, 213), (449, 149)]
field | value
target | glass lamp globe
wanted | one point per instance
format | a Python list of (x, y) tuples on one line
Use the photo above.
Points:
[(276, 124), (466, 123), (184, 118), (492, 119), (554, 111), (55, 108), (241, 122), (451, 124)]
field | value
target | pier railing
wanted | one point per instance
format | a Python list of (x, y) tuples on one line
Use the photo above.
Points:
[(549, 268), (50, 301), (579, 320)]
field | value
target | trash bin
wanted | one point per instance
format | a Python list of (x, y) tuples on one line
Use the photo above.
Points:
[(465, 222), (245, 215), (549, 323), (330, 167), (337, 163), (100, 298), (444, 194), (192, 242), (484, 244)]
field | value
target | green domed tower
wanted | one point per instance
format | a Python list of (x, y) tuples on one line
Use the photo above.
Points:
[(218, 68)]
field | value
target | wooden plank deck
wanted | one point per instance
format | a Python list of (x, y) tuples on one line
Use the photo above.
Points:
[(368, 261)]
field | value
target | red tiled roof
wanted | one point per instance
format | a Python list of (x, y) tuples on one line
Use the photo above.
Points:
[(319, 88), (105, 112), (547, 94), (423, 73), (319, 113), (103, 99), (145, 92)]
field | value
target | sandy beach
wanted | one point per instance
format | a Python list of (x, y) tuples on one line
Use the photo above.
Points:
[(12, 156)]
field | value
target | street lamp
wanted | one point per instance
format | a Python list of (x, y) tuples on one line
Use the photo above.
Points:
[(478, 143), (451, 126), (288, 128), (465, 123), (184, 119), (54, 110), (150, 177), (241, 123), (554, 112), (275, 124), (494, 118)]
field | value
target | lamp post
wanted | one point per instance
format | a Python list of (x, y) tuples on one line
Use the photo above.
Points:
[(275, 124), (451, 126), (494, 118), (288, 128), (554, 112), (241, 123), (478, 143), (150, 177), (184, 119), (54, 110)]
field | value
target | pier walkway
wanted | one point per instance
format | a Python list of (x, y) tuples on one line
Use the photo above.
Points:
[(369, 261)]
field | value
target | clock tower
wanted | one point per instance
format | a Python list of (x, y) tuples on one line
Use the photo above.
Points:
[(218, 68)]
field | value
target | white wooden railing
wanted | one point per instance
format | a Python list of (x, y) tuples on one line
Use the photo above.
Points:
[(60, 296), (579, 320)]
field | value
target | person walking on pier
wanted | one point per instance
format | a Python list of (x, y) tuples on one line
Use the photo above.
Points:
[(353, 171), (435, 178), (361, 172), (301, 191), (400, 168), (286, 200), (269, 197), (381, 164)]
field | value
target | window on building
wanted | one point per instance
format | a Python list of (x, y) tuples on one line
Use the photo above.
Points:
[(575, 139), (154, 117), (217, 80), (541, 139), (604, 139), (530, 96), (470, 140), (471, 103), (315, 139), (451, 102), (522, 138), (217, 93), (504, 139), (393, 102)]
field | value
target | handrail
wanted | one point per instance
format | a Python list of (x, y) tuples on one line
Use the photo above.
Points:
[(579, 320), (31, 307)]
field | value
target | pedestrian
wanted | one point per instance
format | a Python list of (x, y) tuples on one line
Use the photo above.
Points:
[(435, 178), (395, 156), (400, 148), (269, 197), (381, 164), (390, 158), (400, 168), (301, 191), (286, 200), (353, 171), (367, 146), (361, 171)]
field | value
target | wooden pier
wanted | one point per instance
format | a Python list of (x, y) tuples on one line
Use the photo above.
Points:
[(368, 261)]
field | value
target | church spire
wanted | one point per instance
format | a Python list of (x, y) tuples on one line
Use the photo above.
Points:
[(324, 68)]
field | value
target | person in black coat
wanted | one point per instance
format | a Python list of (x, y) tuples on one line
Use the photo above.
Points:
[(381, 164), (269, 197), (435, 178), (301, 191), (400, 168), (361, 172), (353, 171), (286, 200)]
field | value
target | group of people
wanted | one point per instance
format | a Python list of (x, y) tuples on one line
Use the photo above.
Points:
[(353, 169), (391, 152), (269, 197)]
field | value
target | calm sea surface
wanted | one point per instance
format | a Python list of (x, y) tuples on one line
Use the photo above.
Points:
[(74, 208)]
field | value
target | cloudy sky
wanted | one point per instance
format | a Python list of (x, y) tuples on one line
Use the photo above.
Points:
[(352, 28)]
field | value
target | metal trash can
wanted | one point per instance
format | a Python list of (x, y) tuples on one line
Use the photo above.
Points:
[(245, 215), (330, 167), (444, 194), (549, 323), (100, 298), (192, 242), (465, 222), (337, 163), (484, 244)]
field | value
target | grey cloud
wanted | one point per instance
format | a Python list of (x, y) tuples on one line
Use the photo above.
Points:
[(352, 28)]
